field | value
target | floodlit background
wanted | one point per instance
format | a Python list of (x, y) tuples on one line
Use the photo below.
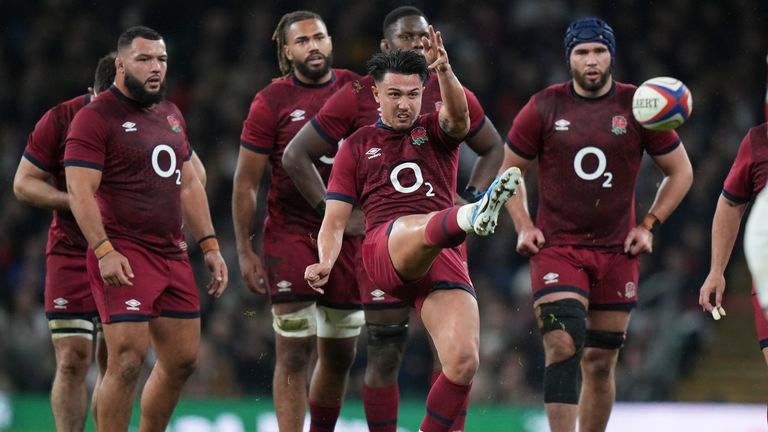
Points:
[(221, 55)]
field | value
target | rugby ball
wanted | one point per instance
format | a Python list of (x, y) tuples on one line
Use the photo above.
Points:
[(662, 103)]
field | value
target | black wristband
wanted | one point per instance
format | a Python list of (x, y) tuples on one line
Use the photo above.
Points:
[(320, 208)]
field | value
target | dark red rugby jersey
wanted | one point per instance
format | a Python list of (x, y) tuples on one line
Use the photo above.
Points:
[(45, 149), (589, 153), (354, 107), (277, 113), (393, 173), (749, 171), (140, 151)]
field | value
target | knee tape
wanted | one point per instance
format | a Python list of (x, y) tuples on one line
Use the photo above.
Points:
[(339, 323), (61, 328), (568, 315), (382, 334), (561, 379), (605, 339), (302, 323)]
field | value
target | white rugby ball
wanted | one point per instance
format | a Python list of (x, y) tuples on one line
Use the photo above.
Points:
[(662, 103)]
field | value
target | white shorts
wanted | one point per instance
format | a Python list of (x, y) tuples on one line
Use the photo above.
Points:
[(756, 246)]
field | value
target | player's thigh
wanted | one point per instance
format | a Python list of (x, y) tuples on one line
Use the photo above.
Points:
[(761, 321), (343, 288), (559, 273), (175, 340), (615, 285), (67, 288), (408, 251), (452, 319), (286, 256)]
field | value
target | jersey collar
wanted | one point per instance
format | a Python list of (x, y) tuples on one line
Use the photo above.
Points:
[(300, 83), (610, 93)]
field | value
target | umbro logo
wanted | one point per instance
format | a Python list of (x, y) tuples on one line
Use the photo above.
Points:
[(297, 115), (129, 126), (378, 295), (284, 286), (562, 125), (550, 278), (133, 304), (374, 152), (60, 303)]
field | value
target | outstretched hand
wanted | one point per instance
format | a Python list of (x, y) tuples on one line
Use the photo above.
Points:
[(434, 51)]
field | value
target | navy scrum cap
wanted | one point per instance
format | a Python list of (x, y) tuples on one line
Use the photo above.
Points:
[(591, 29)]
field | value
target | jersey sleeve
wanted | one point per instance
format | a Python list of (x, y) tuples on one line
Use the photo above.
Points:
[(86, 144), (43, 143), (336, 119), (658, 143), (525, 135), (259, 128), (476, 113), (738, 184), (342, 185), (188, 150), (431, 122)]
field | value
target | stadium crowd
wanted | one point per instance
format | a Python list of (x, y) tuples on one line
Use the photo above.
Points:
[(221, 54)]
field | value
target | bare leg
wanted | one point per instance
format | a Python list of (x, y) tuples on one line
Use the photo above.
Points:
[(127, 344), (294, 356), (334, 360), (69, 399), (176, 343), (101, 367), (598, 366), (451, 317)]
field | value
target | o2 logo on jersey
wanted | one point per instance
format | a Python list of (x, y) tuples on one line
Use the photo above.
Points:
[(602, 162), (171, 170), (393, 177)]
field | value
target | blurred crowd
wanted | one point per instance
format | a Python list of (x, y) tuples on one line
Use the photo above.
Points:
[(221, 54)]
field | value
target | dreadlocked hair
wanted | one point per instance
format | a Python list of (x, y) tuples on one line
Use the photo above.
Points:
[(279, 35)]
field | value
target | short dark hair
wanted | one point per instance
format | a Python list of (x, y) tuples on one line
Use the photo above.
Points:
[(396, 14), (125, 39), (405, 62), (279, 35), (105, 72)]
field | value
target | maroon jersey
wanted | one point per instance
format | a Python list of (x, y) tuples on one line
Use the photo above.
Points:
[(353, 107), (45, 149), (276, 115), (749, 171), (140, 151), (393, 173), (589, 153)]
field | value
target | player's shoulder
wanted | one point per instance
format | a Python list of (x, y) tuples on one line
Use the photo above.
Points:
[(553, 91), (277, 87), (758, 135), (345, 76), (360, 86), (363, 134), (66, 110)]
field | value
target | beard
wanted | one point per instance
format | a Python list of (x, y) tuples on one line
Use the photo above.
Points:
[(140, 94), (589, 85), (314, 73)]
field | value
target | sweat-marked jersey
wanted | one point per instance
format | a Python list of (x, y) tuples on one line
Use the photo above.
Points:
[(276, 115), (589, 152), (140, 151), (393, 173)]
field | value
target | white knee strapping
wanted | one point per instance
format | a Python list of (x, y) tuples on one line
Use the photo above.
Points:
[(302, 323), (756, 246), (339, 323), (61, 328)]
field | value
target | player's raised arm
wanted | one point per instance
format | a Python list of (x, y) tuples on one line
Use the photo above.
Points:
[(454, 113)]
